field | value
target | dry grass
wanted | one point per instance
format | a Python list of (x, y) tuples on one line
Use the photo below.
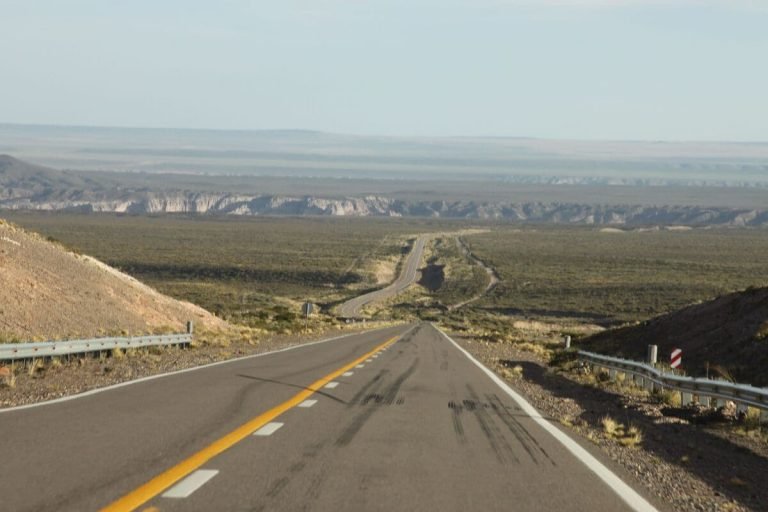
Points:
[(610, 426), (633, 437), (671, 398), (516, 372), (535, 348), (629, 437)]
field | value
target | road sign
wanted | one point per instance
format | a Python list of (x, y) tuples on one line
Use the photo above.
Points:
[(676, 358), (307, 308)]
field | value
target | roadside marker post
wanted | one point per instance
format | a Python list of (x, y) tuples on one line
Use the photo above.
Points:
[(307, 309), (653, 351), (676, 358)]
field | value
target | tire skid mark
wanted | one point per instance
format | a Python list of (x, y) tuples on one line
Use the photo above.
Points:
[(277, 487), (529, 443), (281, 483), (458, 427), (388, 395), (493, 434), (375, 381)]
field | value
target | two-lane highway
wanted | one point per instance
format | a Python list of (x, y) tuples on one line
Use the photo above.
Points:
[(395, 419), (351, 308)]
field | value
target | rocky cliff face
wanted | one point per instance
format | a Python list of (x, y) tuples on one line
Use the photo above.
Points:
[(145, 202), (25, 186)]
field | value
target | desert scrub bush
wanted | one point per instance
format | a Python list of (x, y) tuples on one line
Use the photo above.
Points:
[(7, 337), (628, 437), (633, 437), (513, 373), (8, 376), (670, 398), (564, 359), (535, 348), (610, 426)]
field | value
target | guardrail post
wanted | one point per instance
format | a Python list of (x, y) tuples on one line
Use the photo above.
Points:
[(649, 385), (190, 327), (686, 398), (612, 374), (653, 354), (567, 341), (716, 402)]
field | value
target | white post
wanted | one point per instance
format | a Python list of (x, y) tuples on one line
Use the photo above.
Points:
[(653, 353)]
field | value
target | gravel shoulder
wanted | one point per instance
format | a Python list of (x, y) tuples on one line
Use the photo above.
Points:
[(689, 466), (51, 380)]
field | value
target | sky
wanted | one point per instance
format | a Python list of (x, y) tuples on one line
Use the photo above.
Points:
[(575, 69)]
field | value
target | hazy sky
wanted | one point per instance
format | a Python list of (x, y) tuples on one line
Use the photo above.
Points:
[(621, 69)]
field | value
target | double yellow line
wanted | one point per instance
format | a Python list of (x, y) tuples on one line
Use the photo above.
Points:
[(158, 484)]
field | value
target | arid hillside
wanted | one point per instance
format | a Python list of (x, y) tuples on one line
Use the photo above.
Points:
[(47, 292), (730, 333)]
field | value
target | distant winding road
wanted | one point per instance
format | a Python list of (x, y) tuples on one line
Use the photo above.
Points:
[(351, 308), (493, 276)]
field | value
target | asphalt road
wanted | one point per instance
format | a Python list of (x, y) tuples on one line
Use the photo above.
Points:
[(394, 419), (351, 308)]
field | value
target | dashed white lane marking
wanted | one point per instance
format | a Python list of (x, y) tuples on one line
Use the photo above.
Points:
[(268, 429), (186, 370), (360, 366), (347, 374), (369, 360), (331, 385), (190, 484), (307, 403)]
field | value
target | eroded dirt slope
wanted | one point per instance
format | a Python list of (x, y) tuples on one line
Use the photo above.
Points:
[(47, 292), (730, 332)]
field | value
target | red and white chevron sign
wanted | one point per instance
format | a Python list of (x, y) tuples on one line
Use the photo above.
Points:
[(676, 358)]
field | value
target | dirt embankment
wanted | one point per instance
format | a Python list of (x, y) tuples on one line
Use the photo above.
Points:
[(49, 292), (729, 333)]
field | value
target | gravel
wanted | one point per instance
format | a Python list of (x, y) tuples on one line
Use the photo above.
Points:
[(689, 466)]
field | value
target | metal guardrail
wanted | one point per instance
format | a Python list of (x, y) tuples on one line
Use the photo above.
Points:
[(703, 388), (15, 351)]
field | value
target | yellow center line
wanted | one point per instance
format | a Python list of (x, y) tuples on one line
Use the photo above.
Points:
[(158, 484)]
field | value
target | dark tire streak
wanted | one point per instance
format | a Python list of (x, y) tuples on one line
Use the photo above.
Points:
[(388, 396), (518, 430), (499, 444)]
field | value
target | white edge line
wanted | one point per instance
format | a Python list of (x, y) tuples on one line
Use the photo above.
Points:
[(190, 484), (624, 491), (185, 370)]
